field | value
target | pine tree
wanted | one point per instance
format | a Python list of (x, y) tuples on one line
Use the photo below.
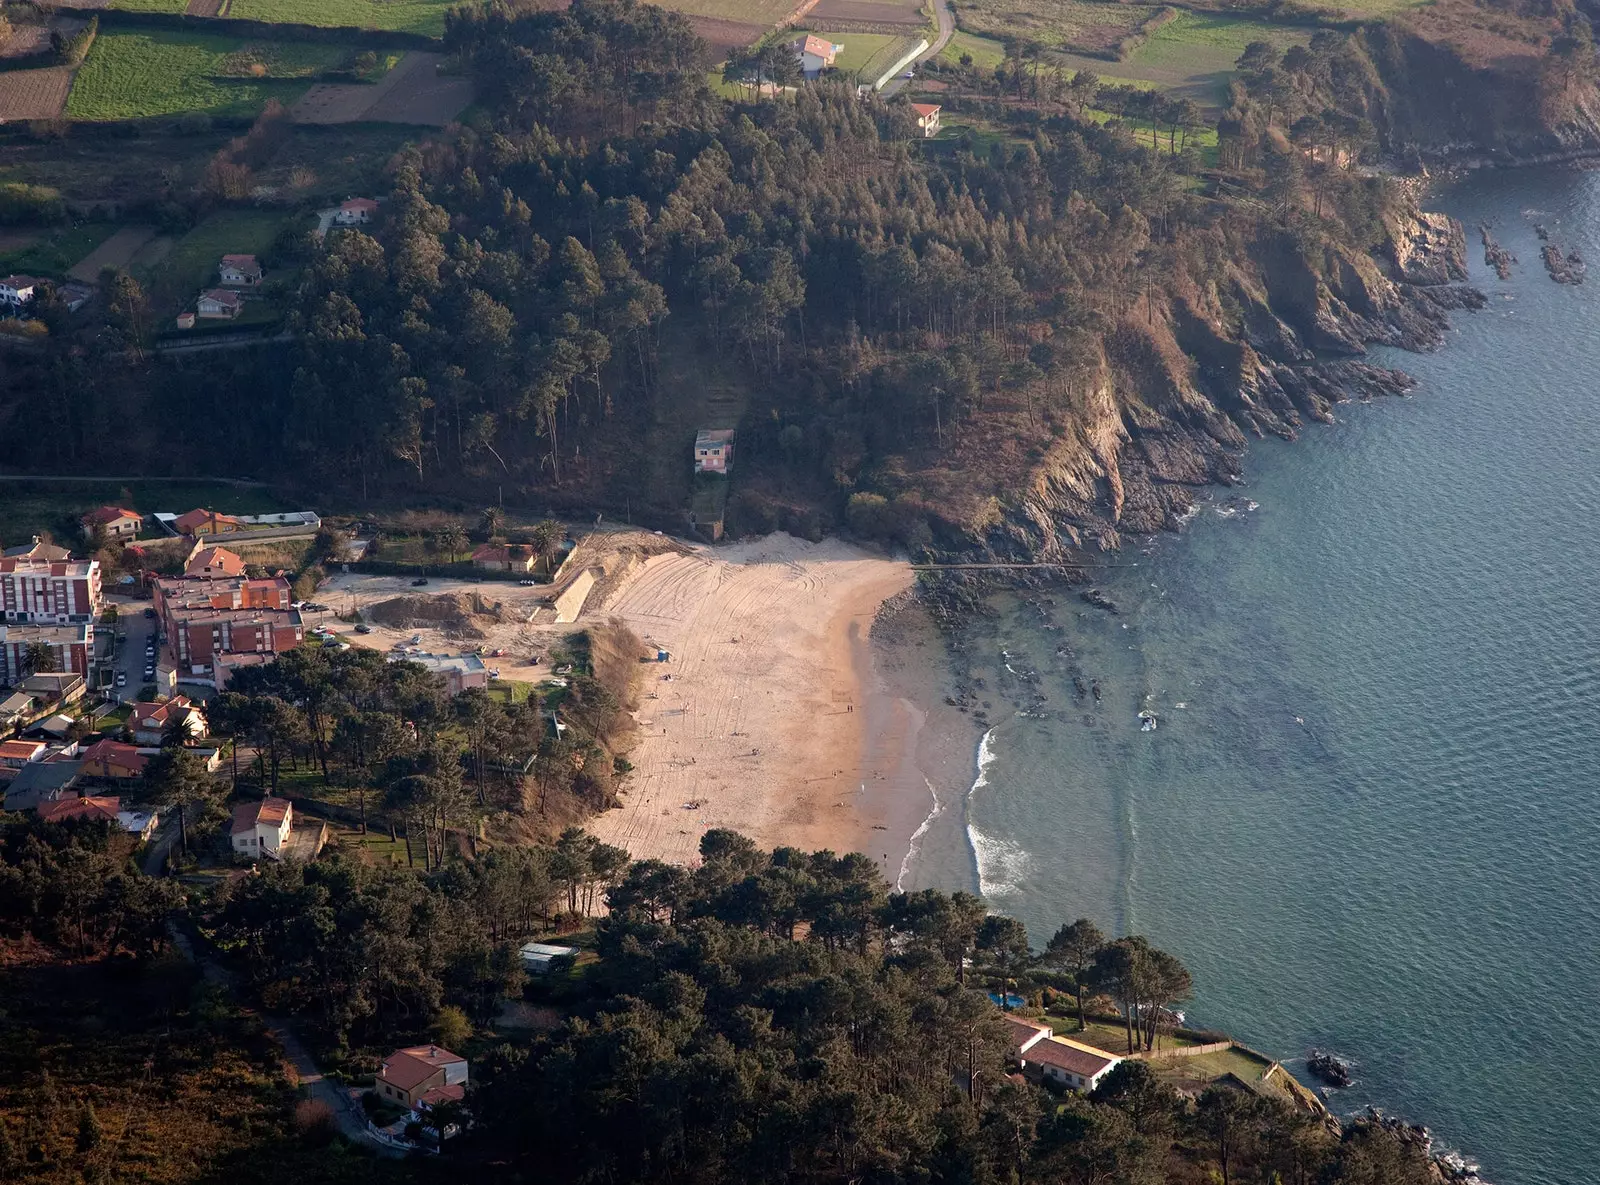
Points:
[(89, 1130)]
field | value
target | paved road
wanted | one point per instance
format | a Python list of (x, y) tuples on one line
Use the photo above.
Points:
[(129, 658), (947, 29)]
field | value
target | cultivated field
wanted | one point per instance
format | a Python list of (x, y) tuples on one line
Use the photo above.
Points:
[(1080, 25), (828, 13), (1193, 55), (34, 94), (51, 253), (411, 16), (413, 92), (117, 251), (142, 74), (723, 36)]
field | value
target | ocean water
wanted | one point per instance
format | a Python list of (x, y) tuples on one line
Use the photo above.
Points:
[(1369, 817)]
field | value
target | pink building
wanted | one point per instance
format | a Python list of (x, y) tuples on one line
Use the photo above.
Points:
[(49, 591)]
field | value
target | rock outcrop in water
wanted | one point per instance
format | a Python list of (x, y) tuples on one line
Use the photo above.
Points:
[(1495, 255), (1277, 341)]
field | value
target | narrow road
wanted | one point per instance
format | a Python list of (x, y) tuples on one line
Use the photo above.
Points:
[(946, 16), (346, 1111)]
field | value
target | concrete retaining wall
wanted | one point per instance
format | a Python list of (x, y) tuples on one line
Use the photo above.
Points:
[(570, 602)]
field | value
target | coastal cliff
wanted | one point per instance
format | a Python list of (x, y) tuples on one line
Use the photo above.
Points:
[(1273, 342)]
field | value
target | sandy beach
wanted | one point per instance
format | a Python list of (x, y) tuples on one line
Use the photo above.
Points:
[(768, 718)]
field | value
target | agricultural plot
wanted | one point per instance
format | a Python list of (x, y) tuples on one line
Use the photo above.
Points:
[(53, 252), (410, 16), (142, 74), (116, 251), (985, 52), (412, 92), (844, 14), (1080, 26), (34, 94), (1192, 56)]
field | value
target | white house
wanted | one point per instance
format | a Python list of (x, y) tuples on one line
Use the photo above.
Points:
[(262, 828), (713, 450), (219, 303), (240, 271), (356, 212), (1057, 1059), (16, 291), (816, 54), (927, 119)]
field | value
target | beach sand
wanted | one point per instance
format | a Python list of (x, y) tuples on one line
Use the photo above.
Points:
[(768, 718)]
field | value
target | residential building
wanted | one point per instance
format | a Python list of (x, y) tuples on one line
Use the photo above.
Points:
[(219, 304), (59, 810), (356, 212), (54, 687), (50, 591), (71, 649), (16, 754), (16, 291), (149, 721), (36, 550), (17, 708), (140, 823), (240, 271), (42, 781), (113, 761), (512, 557), (213, 562), (713, 450), (262, 828), (288, 520), (461, 672), (1060, 1060), (207, 522), (816, 54), (927, 119), (114, 520), (204, 617), (422, 1075)]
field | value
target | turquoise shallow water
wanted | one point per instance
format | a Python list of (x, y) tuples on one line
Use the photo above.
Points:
[(1410, 873)]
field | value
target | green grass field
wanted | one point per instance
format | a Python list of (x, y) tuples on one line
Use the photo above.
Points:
[(57, 250), (859, 48), (1082, 25), (749, 12), (139, 75), (986, 53), (191, 265), (883, 57), (150, 5), (1202, 140), (411, 16)]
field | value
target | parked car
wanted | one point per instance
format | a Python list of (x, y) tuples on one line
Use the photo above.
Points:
[(419, 582), (122, 678), (150, 613), (528, 583), (363, 628), (416, 639)]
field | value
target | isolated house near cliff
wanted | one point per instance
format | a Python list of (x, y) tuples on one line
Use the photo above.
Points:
[(713, 450)]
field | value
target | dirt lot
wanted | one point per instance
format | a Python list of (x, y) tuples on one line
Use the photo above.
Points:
[(34, 94), (117, 251), (725, 35), (870, 12), (204, 8), (413, 92)]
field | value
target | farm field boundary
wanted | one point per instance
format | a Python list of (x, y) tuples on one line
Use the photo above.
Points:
[(234, 27)]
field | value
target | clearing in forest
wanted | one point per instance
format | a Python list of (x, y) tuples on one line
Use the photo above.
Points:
[(412, 92), (140, 74)]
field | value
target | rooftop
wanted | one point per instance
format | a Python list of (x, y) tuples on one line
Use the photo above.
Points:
[(269, 811), (62, 809), (214, 561), (410, 1067), (925, 109), (1070, 1056), (108, 515), (75, 634)]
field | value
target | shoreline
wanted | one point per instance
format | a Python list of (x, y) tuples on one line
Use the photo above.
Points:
[(768, 718)]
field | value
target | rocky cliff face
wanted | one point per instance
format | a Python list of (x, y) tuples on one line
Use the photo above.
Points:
[(1276, 342)]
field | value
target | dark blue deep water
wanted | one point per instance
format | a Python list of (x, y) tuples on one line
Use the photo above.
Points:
[(1410, 872)]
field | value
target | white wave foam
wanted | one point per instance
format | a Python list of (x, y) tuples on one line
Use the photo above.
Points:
[(914, 847), (1001, 863)]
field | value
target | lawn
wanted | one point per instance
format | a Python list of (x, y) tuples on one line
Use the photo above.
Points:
[(1081, 25), (58, 250), (883, 57), (986, 53), (28, 508), (410, 16), (751, 12), (1202, 140), (142, 74), (150, 5), (191, 265), (859, 48)]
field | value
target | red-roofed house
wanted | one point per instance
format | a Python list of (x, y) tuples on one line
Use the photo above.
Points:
[(1025, 1034), (112, 761), (16, 754), (214, 562), (206, 522), (1068, 1063), (356, 211), (118, 523), (927, 119), (240, 271), (421, 1075), (219, 304), (62, 809), (816, 54), (262, 828), (149, 720), (503, 557)]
